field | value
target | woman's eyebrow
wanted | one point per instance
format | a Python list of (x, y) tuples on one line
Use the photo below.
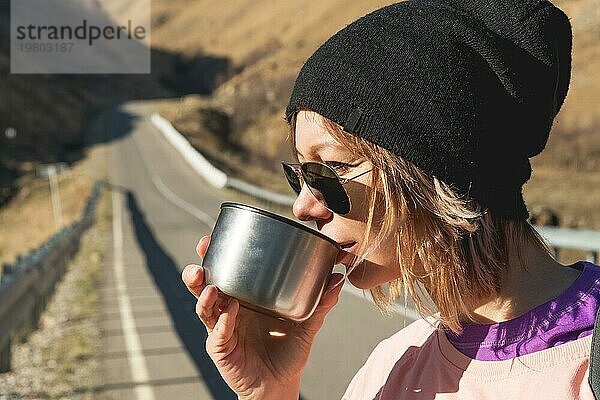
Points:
[(316, 149)]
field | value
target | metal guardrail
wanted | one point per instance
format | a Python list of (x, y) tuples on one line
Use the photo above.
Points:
[(210, 173), (585, 240), (27, 285)]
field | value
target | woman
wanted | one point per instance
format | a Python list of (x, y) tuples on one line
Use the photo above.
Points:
[(414, 126)]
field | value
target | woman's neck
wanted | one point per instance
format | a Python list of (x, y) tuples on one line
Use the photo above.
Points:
[(523, 288)]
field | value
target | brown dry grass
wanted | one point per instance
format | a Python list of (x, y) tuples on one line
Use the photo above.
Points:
[(237, 160), (575, 195), (269, 41), (246, 30), (28, 219)]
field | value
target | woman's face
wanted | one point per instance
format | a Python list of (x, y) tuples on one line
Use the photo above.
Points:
[(314, 143)]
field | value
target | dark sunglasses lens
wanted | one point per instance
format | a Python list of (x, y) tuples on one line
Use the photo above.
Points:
[(326, 187), (292, 178)]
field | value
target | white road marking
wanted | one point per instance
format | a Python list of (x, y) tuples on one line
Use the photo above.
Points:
[(184, 205), (137, 362), (168, 194)]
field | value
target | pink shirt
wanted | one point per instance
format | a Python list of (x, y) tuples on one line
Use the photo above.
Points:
[(420, 363)]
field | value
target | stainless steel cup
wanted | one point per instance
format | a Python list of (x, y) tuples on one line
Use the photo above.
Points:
[(268, 262)]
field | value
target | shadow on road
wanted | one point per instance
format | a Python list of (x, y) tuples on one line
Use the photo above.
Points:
[(180, 302), (116, 124)]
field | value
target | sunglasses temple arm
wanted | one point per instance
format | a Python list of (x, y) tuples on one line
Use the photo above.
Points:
[(343, 181)]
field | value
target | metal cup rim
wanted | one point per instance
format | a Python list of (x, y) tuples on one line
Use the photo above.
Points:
[(232, 204)]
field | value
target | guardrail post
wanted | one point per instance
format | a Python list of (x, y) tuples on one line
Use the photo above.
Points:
[(5, 269), (5, 357), (592, 256), (38, 308)]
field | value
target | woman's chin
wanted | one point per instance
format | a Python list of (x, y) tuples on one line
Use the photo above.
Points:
[(360, 285), (368, 275), (359, 279)]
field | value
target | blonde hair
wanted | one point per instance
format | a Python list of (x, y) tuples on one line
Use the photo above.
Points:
[(449, 249)]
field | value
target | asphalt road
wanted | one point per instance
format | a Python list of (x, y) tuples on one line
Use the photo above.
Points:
[(153, 342)]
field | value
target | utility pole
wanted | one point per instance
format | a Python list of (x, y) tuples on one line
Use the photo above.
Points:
[(51, 171), (55, 194)]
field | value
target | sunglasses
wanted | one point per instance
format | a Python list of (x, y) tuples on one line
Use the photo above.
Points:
[(323, 181)]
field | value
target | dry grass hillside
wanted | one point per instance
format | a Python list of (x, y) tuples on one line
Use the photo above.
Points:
[(230, 66), (575, 141), (268, 41)]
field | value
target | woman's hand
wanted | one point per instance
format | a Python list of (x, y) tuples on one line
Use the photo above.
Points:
[(258, 356)]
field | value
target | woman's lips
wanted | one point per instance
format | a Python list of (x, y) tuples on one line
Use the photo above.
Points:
[(345, 254)]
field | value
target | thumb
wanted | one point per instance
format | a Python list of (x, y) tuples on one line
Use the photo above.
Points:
[(329, 299)]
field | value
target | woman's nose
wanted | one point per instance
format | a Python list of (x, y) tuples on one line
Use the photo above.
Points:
[(308, 208)]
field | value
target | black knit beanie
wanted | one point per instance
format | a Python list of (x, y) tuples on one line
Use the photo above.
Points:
[(464, 89)]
